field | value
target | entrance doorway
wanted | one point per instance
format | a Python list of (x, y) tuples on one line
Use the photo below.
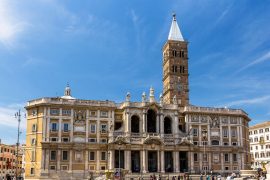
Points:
[(168, 161), (119, 161), (152, 161), (135, 161), (183, 158)]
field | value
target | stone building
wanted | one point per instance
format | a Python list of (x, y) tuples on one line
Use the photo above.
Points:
[(259, 144), (69, 137)]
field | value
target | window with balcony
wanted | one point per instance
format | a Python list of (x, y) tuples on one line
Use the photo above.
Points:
[(54, 126), (103, 128), (225, 133), (53, 156), (64, 155), (234, 132), (103, 156), (92, 128), (91, 155)]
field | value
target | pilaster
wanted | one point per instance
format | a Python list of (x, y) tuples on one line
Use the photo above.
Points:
[(162, 162)]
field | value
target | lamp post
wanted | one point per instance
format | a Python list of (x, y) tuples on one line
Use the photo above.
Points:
[(18, 116), (204, 135)]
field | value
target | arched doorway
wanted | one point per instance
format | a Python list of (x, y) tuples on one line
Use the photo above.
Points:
[(135, 124), (151, 121), (167, 125)]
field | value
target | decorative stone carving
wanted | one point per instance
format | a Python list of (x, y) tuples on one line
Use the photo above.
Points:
[(128, 97), (214, 122), (79, 116), (174, 99), (144, 97)]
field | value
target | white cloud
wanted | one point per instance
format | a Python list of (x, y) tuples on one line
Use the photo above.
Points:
[(7, 116), (261, 59), (257, 100), (11, 24)]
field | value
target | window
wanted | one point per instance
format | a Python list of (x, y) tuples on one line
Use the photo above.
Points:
[(256, 139), (204, 143), (93, 113), (91, 155), (103, 156), (226, 157), (256, 147), (103, 141), (34, 112), (54, 111), (64, 167), (234, 143), (103, 114), (251, 148), (174, 53), (54, 139), (66, 112), (261, 130), (34, 127), (234, 157), (261, 146), (65, 139), (250, 132), (266, 130), (66, 127), (225, 132), (64, 155), (195, 157), (32, 171), (267, 137), (215, 142), (262, 155), (33, 155), (103, 167), (53, 156), (33, 141), (234, 133), (226, 168), (92, 140), (255, 132), (92, 128), (54, 126), (195, 132), (52, 168), (195, 143), (103, 128), (250, 140)]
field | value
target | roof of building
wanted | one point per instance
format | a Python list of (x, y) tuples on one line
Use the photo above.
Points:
[(175, 33), (260, 125)]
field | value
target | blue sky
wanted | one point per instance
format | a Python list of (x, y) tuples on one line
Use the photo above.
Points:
[(105, 49)]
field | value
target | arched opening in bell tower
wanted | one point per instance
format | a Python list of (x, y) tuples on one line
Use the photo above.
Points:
[(151, 121), (167, 125), (135, 124)]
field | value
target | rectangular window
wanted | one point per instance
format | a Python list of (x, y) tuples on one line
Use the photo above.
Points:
[(103, 168), (52, 167), (54, 139), (53, 156), (266, 129), (255, 132), (65, 139), (54, 126), (54, 111), (195, 132), (226, 157), (64, 167), (103, 156), (195, 157), (234, 134), (92, 140), (34, 127), (66, 128), (64, 155), (93, 113), (92, 128), (261, 130), (103, 141), (225, 132), (103, 128), (33, 141), (103, 113), (66, 112), (32, 171), (91, 155), (234, 143), (234, 157)]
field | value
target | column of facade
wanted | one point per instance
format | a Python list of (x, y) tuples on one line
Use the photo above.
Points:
[(44, 124), (200, 135), (162, 162), (210, 160), (86, 160), (144, 157), (221, 135), (58, 159), (71, 125), (230, 136), (60, 126), (111, 159), (128, 160), (47, 160), (192, 162), (201, 160), (175, 123), (144, 122), (87, 126), (128, 121), (158, 123), (231, 161), (70, 160), (241, 132), (98, 125), (162, 125), (158, 160), (176, 161), (48, 125), (222, 161), (98, 161)]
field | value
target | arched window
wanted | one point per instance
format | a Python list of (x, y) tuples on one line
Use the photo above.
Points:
[(135, 124), (151, 121), (167, 125)]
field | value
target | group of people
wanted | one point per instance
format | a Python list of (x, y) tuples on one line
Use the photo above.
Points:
[(154, 177)]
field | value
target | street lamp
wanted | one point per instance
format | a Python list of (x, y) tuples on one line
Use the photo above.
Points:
[(204, 135), (18, 116)]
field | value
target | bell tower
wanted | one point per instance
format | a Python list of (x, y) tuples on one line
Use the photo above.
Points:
[(175, 67)]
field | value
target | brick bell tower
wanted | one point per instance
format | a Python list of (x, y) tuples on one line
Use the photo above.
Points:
[(175, 67)]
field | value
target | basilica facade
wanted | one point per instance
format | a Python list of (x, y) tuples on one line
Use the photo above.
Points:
[(75, 138)]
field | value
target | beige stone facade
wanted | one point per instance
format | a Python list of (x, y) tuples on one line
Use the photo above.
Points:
[(68, 137)]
